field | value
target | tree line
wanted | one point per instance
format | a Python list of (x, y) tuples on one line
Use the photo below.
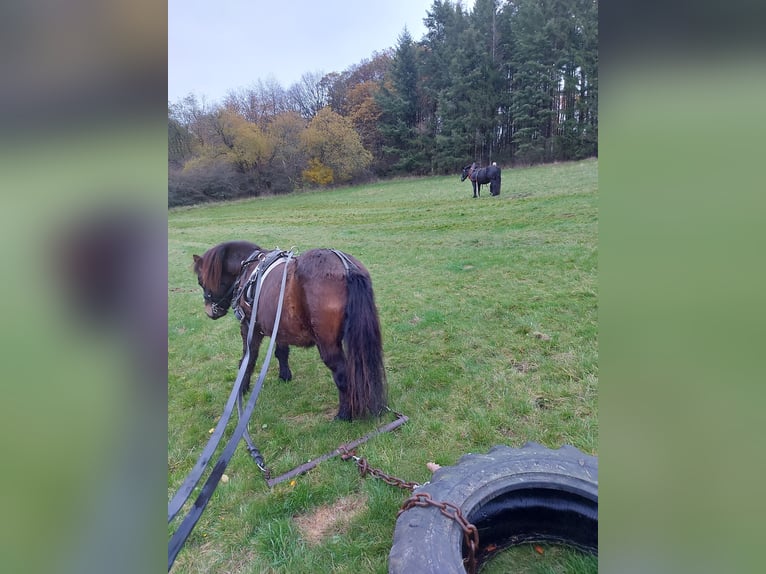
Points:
[(515, 82)]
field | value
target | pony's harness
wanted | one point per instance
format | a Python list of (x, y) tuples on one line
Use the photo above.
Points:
[(226, 297), (469, 172), (251, 288)]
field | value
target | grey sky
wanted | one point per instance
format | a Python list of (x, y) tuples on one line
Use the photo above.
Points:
[(214, 47)]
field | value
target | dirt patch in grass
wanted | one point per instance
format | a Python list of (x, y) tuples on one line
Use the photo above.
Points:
[(301, 419), (330, 519), (327, 414), (523, 366)]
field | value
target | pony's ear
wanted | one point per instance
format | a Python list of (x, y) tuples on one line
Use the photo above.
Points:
[(196, 258)]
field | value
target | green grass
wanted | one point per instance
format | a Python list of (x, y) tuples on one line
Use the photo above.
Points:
[(489, 314), (541, 559)]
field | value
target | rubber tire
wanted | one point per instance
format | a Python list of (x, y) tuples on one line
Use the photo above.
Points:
[(512, 496)]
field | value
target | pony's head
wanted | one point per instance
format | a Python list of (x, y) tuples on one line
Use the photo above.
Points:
[(466, 172), (217, 273)]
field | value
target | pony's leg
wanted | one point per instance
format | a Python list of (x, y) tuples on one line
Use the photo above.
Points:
[(255, 344), (333, 357), (282, 353), (474, 188)]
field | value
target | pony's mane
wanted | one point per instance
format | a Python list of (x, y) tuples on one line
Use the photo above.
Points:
[(210, 266)]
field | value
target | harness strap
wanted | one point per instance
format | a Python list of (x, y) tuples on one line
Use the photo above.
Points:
[(264, 267), (257, 277), (191, 480), (347, 263)]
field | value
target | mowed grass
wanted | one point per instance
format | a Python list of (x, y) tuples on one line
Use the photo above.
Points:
[(488, 309)]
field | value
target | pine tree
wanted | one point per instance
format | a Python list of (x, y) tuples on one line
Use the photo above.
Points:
[(555, 83), (398, 101)]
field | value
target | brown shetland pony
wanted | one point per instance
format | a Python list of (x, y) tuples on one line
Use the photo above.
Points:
[(325, 304)]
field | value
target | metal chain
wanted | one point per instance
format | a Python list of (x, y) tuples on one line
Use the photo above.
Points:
[(470, 533), (423, 499), (365, 469)]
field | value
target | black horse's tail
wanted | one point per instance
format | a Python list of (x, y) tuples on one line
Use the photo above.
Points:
[(363, 345), (494, 182)]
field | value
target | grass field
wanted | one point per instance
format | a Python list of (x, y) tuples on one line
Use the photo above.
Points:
[(488, 309)]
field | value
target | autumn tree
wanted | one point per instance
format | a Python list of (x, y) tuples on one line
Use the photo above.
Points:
[(339, 85), (260, 103), (232, 163), (289, 157), (330, 142), (364, 112), (180, 144), (308, 95)]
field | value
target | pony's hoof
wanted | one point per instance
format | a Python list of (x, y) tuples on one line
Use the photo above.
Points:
[(340, 417)]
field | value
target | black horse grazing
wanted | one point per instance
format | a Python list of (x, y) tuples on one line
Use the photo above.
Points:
[(480, 176), (328, 302)]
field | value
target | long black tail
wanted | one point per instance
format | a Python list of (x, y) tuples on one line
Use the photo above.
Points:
[(363, 346), (494, 184)]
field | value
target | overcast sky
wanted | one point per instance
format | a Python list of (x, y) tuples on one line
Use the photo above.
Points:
[(222, 45)]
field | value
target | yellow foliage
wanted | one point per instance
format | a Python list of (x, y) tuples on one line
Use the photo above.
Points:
[(317, 173), (248, 145), (333, 142), (201, 162)]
